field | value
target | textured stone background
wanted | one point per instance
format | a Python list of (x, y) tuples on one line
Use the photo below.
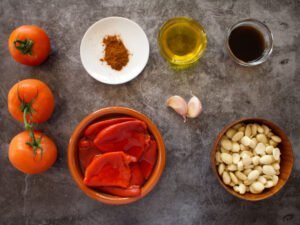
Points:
[(188, 192)]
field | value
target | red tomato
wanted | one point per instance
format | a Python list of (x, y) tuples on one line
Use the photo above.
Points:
[(29, 45), (33, 94), (24, 158)]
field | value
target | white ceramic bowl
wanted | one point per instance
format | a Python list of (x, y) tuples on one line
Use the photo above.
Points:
[(92, 50)]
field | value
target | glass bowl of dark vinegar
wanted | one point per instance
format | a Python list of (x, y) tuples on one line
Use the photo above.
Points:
[(249, 42)]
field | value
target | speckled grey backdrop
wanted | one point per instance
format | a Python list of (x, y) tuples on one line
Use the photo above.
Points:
[(187, 193)]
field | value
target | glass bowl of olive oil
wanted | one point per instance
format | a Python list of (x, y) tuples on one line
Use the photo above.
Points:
[(182, 41)]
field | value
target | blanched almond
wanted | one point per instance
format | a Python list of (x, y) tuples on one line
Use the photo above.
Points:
[(257, 187), (246, 141), (248, 130), (226, 144), (253, 143), (269, 149), (269, 184), (276, 166), (266, 129), (242, 189), (230, 133), (221, 169), (262, 180), (218, 157), (255, 160), (237, 126), (231, 167), (254, 129), (235, 158), (260, 149), (237, 136), (276, 154), (226, 178), (253, 175), (233, 178), (260, 129), (262, 138), (266, 159), (235, 147), (275, 179), (226, 158), (240, 166), (240, 175), (268, 170), (276, 139)]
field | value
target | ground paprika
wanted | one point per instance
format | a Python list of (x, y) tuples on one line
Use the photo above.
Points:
[(115, 53)]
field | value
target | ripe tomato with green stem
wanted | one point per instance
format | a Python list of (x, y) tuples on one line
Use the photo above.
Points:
[(29, 45), (35, 97), (32, 152)]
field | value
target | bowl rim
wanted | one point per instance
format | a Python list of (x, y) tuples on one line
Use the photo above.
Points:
[(214, 149), (77, 174)]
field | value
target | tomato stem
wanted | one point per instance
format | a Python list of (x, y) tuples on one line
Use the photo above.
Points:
[(27, 110), (24, 46), (35, 144)]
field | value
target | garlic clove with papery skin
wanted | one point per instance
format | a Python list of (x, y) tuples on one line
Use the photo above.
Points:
[(179, 105), (194, 107)]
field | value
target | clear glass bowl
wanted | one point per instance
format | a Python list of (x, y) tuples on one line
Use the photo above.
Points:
[(268, 38), (177, 23)]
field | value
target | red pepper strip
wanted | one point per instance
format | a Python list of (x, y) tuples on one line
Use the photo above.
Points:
[(87, 151), (92, 130), (138, 151), (137, 177), (148, 160), (131, 191), (110, 169), (123, 137)]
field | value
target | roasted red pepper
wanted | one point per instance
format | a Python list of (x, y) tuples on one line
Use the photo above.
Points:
[(137, 177), (148, 160), (110, 169), (92, 130), (136, 181), (118, 155), (87, 151), (130, 137), (132, 191)]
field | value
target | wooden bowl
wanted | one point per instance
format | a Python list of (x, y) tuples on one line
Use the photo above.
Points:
[(286, 162), (77, 173)]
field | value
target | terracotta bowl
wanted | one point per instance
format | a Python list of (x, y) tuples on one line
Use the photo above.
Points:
[(286, 162), (77, 173)]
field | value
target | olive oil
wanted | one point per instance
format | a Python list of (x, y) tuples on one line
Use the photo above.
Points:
[(247, 43), (182, 41)]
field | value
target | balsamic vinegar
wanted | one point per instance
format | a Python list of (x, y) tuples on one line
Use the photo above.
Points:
[(247, 43)]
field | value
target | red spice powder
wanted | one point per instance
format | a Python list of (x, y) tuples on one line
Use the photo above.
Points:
[(116, 54)]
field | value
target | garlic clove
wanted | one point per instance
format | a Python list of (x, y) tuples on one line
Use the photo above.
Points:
[(178, 104), (194, 107)]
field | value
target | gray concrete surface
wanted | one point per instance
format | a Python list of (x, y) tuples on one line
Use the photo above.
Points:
[(188, 192)]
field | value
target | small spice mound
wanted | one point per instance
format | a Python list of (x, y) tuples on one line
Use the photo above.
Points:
[(116, 54)]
